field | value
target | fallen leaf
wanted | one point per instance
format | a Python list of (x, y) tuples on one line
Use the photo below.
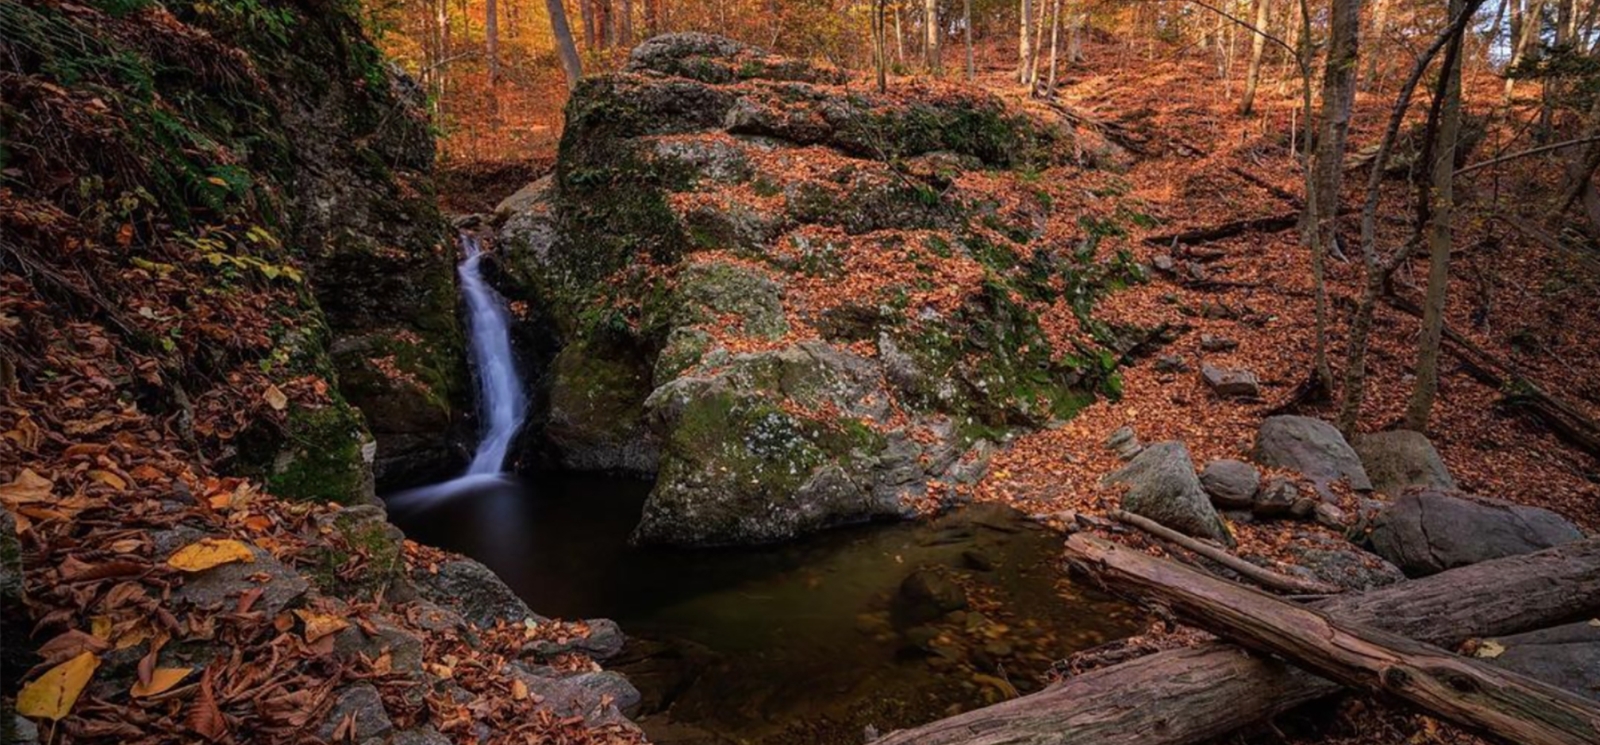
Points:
[(209, 552), (109, 479), (519, 689), (275, 398), (100, 627), (52, 695), (1489, 649), (28, 487), (162, 679), (319, 625), (204, 715)]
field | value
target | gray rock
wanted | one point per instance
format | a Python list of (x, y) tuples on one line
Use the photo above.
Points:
[(1213, 343), (1162, 486), (1231, 484), (473, 590), (1171, 363), (603, 697), (1563, 656), (1337, 562), (1311, 447), (1430, 531), (221, 586), (18, 729), (1124, 442), (360, 702), (1400, 459), (1163, 263), (605, 641), (925, 595), (424, 735), (1230, 383), (1277, 498)]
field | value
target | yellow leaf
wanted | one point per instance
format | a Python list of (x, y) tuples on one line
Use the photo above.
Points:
[(109, 479), (100, 627), (319, 625), (52, 695), (217, 181), (28, 487), (1490, 649), (209, 552), (519, 689), (275, 398), (161, 681)]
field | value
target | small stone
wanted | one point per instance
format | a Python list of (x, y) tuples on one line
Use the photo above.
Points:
[(1230, 383), (1163, 263), (925, 596), (1171, 363), (1214, 343), (1277, 498), (1124, 442), (977, 560), (1231, 484)]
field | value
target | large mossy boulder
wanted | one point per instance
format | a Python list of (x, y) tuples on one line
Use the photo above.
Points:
[(797, 302), (1428, 532)]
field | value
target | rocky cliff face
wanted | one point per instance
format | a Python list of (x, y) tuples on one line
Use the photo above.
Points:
[(797, 302)]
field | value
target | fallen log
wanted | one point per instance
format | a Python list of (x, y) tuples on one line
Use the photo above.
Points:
[(1468, 692), (1260, 575), (1270, 224), (1189, 695)]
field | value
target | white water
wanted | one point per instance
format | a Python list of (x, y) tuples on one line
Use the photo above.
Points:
[(501, 400)]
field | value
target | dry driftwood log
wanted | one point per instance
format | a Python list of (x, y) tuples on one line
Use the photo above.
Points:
[(1189, 695), (1260, 575), (1463, 690)]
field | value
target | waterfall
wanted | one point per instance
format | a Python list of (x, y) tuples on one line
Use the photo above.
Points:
[(502, 403), (501, 399)]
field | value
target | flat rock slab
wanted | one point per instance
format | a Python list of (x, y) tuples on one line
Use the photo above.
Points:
[(221, 586), (1565, 656), (1231, 383), (1428, 532)]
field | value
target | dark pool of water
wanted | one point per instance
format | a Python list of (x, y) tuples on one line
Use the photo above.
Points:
[(805, 642)]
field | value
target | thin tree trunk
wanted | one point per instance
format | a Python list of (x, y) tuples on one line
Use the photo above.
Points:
[(1321, 373), (1055, 42), (627, 23), (591, 36), (966, 27), (930, 22), (1420, 408), (565, 48), (899, 37), (1258, 47), (1380, 23), (880, 41), (1077, 20), (1532, 26), (1025, 42), (491, 39), (1355, 370), (1338, 94)]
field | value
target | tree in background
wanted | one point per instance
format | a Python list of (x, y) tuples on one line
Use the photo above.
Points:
[(1338, 94), (565, 48)]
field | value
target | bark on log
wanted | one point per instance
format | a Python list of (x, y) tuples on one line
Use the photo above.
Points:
[(1188, 695), (1470, 693), (1260, 575)]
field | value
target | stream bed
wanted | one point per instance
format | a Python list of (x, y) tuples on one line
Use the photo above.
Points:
[(807, 642)]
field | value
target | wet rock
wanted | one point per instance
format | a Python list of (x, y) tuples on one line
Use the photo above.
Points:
[(1162, 486), (1215, 343), (596, 402), (1230, 383), (1401, 459), (1311, 447), (1337, 562), (1430, 531), (977, 560), (403, 647), (1125, 442), (603, 697), (924, 596), (1564, 656), (360, 704), (473, 590), (221, 586), (605, 641), (1231, 484)]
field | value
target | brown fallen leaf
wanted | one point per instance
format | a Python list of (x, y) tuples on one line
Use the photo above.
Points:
[(275, 398), (205, 717), (209, 552), (109, 479), (28, 487), (52, 695)]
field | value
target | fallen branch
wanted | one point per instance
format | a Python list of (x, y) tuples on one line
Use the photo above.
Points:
[(1194, 694), (1271, 224), (1260, 575), (1468, 692)]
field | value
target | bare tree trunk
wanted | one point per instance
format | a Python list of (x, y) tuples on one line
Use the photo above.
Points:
[(1338, 93), (591, 35), (627, 23), (1055, 43), (1420, 407), (565, 49), (1025, 42), (1380, 22), (1077, 20), (1321, 373), (1258, 47), (1532, 27), (966, 27), (880, 41), (930, 22), (652, 17), (899, 37), (491, 39)]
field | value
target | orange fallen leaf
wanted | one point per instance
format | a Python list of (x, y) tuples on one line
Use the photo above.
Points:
[(109, 479), (319, 625), (162, 679), (209, 552), (519, 689), (275, 398), (28, 487), (52, 695)]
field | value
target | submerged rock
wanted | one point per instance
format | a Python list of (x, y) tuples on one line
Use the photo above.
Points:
[(924, 596), (1402, 459), (1428, 532), (1163, 487), (1311, 447)]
